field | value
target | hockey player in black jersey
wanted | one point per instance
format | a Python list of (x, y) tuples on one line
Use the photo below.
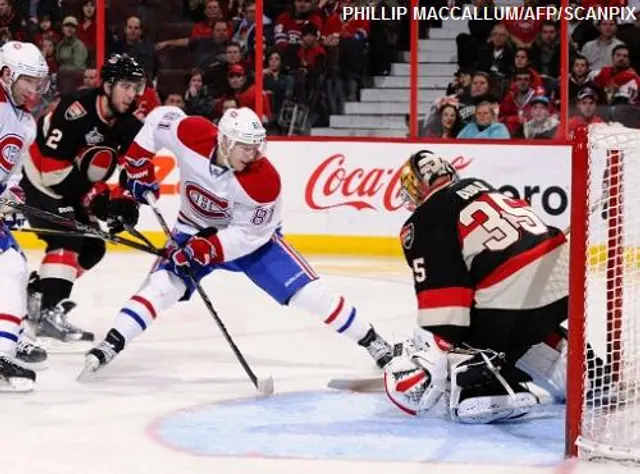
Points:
[(76, 151), (491, 282)]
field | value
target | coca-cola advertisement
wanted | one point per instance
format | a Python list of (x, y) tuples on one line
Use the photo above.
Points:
[(347, 188)]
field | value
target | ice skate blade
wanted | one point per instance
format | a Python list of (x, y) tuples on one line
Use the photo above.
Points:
[(92, 365), (16, 385)]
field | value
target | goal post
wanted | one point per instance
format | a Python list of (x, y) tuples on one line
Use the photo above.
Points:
[(603, 366)]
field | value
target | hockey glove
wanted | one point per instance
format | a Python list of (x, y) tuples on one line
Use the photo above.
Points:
[(12, 218), (123, 210), (198, 253), (141, 179), (96, 201)]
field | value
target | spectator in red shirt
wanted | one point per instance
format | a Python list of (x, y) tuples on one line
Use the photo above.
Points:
[(213, 13), (288, 29), (244, 93), (521, 61), (311, 64), (46, 31), (523, 32), (87, 27), (586, 106), (345, 38), (619, 78), (515, 109)]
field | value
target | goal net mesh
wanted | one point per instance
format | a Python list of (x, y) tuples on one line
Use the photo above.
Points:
[(610, 421)]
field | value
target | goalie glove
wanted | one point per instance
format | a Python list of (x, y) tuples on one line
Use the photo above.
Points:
[(416, 379)]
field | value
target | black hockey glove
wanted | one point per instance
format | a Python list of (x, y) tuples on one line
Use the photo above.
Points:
[(95, 202), (122, 210)]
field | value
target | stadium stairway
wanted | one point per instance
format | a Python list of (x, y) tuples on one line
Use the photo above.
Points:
[(382, 109)]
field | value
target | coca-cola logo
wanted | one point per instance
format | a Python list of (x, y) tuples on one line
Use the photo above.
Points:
[(333, 184), (206, 203)]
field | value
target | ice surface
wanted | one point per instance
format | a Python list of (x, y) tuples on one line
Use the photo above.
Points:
[(176, 401)]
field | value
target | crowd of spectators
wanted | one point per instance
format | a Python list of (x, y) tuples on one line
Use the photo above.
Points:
[(507, 84), (200, 54)]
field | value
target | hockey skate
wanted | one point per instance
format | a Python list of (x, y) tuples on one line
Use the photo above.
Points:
[(14, 377), (379, 349), (101, 354), (53, 323), (31, 355)]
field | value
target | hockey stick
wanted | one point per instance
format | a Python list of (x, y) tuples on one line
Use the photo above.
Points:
[(264, 386), (61, 233), (79, 227)]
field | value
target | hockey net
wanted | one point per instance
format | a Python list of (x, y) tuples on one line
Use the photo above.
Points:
[(603, 397)]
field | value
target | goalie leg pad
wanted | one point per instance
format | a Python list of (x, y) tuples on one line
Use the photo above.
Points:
[(492, 408), (482, 391), (547, 366)]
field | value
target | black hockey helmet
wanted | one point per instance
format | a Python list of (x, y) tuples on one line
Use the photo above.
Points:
[(122, 67), (420, 174)]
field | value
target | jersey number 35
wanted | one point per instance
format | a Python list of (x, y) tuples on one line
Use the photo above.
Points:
[(501, 220)]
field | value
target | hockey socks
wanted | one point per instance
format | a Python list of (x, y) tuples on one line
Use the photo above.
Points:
[(332, 309)]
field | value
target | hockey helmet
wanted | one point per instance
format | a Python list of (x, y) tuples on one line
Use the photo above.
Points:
[(421, 175), (25, 59), (122, 67), (240, 126)]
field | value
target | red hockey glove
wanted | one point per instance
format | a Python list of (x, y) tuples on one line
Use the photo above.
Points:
[(199, 252), (96, 201), (141, 178)]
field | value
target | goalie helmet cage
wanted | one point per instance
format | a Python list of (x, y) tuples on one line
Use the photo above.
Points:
[(603, 396)]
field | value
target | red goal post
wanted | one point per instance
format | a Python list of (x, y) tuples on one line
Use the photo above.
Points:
[(603, 396)]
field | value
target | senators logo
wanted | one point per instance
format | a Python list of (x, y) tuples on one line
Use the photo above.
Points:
[(406, 236)]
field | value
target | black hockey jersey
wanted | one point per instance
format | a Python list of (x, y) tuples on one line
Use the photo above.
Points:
[(77, 146), (472, 248)]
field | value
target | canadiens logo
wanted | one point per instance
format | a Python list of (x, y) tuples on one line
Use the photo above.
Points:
[(406, 236), (10, 149), (75, 111), (206, 203)]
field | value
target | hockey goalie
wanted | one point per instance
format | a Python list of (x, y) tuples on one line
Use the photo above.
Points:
[(491, 281)]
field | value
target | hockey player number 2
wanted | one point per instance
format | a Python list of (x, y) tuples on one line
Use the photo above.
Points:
[(500, 220)]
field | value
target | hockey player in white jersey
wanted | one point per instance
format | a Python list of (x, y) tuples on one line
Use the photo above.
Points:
[(230, 218), (24, 77)]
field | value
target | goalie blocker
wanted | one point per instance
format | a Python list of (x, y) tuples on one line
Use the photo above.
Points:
[(491, 278)]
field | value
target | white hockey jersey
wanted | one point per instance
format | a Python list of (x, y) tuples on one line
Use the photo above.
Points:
[(17, 132), (245, 207)]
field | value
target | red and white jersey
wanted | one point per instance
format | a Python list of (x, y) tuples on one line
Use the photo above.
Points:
[(245, 207), (17, 132)]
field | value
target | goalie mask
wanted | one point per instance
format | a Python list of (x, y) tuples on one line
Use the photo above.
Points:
[(423, 174)]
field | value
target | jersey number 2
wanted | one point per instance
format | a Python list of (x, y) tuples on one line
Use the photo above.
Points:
[(501, 221), (54, 138)]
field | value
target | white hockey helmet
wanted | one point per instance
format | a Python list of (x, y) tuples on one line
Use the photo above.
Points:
[(25, 59), (240, 126)]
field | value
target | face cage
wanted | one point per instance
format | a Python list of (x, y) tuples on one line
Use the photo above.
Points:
[(231, 143)]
